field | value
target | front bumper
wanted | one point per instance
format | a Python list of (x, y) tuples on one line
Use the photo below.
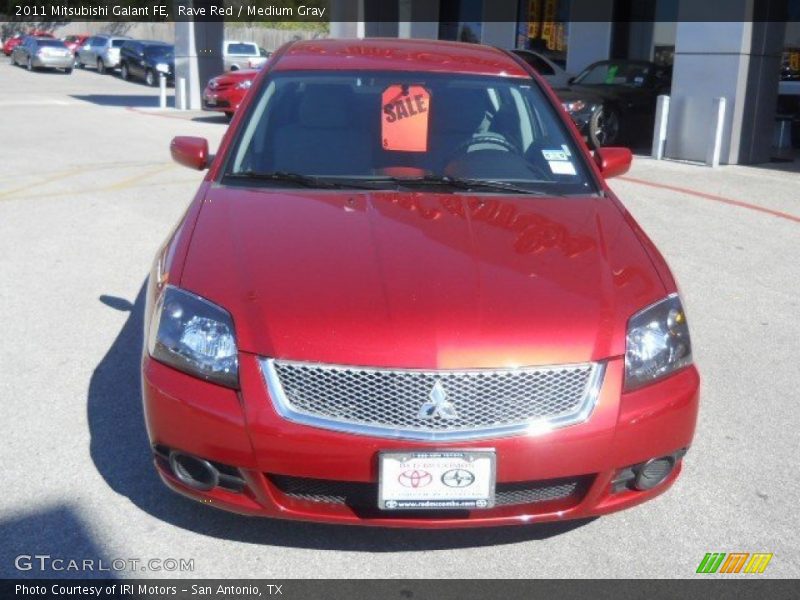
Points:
[(281, 463), (226, 101)]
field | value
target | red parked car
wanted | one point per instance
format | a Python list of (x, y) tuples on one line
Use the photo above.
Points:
[(225, 92), (405, 296), (17, 39), (73, 42)]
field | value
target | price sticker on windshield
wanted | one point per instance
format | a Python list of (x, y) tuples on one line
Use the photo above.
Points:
[(405, 111)]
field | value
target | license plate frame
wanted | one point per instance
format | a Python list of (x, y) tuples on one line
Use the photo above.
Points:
[(402, 479)]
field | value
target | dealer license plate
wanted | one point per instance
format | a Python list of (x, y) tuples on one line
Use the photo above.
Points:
[(442, 480)]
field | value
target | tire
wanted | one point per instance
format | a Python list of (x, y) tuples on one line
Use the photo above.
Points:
[(78, 63), (68, 71), (150, 78), (228, 115), (30, 64), (123, 71), (101, 66), (604, 127)]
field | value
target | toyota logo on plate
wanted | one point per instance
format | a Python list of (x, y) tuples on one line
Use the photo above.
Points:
[(414, 479), (458, 478)]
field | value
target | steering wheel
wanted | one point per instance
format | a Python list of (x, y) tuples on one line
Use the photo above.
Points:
[(484, 138)]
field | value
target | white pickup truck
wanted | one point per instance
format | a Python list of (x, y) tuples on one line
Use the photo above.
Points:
[(242, 55)]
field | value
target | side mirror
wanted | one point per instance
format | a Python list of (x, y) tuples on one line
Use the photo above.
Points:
[(190, 152), (613, 161)]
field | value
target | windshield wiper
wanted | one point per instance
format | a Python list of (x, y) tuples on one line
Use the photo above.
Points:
[(467, 184), (309, 181)]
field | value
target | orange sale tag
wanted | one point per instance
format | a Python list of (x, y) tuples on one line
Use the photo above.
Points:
[(404, 123)]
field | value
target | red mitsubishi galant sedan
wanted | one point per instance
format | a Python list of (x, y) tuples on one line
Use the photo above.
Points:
[(405, 296)]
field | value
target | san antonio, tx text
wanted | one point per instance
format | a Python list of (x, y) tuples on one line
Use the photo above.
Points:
[(60, 589)]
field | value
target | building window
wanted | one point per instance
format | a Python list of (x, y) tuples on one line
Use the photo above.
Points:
[(461, 20), (543, 27)]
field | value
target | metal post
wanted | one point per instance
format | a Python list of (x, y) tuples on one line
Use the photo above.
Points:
[(715, 141), (660, 129), (162, 84), (182, 105)]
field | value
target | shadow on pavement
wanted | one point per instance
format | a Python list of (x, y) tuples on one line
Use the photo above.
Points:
[(121, 454), (218, 118), (57, 532), (125, 100)]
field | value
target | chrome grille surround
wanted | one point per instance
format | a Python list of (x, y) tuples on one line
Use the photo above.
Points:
[(386, 402)]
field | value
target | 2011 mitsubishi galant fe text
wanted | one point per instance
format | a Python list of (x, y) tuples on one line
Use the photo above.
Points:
[(405, 296)]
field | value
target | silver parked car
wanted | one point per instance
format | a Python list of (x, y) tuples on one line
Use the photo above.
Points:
[(101, 52), (242, 55), (553, 73), (42, 53)]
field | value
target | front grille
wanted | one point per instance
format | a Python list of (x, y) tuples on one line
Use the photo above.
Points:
[(417, 404), (365, 495)]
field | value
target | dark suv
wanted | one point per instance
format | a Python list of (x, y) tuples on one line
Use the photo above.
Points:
[(146, 60)]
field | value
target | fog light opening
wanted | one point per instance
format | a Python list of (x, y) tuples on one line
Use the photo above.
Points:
[(653, 472), (194, 472)]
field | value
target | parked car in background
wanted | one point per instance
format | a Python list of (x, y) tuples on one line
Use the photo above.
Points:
[(405, 295), (100, 52), (553, 73), (225, 92), (42, 53), (73, 42), (241, 55), (146, 60), (614, 101), (17, 39)]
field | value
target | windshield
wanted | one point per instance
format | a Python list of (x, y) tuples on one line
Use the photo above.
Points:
[(243, 49), (117, 43), (389, 128), (615, 73), (159, 52), (50, 44)]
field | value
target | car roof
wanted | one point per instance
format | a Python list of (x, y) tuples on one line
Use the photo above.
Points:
[(388, 54)]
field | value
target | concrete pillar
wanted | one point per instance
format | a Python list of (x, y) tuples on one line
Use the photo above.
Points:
[(735, 60), (588, 42), (198, 58), (499, 24), (347, 19), (418, 19)]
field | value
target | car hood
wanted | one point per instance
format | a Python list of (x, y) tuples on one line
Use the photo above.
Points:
[(236, 76), (420, 280), (595, 93)]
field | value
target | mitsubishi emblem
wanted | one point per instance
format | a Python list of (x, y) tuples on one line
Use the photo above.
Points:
[(438, 405)]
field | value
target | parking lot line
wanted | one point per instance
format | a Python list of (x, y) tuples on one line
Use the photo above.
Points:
[(714, 197)]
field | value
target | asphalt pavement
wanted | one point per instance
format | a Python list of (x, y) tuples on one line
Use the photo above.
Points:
[(88, 192)]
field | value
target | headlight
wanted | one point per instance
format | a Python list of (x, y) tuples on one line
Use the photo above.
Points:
[(162, 67), (657, 343), (244, 85), (193, 335), (575, 106)]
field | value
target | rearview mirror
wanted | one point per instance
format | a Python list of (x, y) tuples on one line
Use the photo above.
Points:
[(613, 161), (190, 152)]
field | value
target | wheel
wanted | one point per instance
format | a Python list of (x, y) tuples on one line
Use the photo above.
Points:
[(30, 64), (68, 71), (123, 71), (228, 115), (604, 127), (78, 63), (150, 77), (101, 66), (234, 67)]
